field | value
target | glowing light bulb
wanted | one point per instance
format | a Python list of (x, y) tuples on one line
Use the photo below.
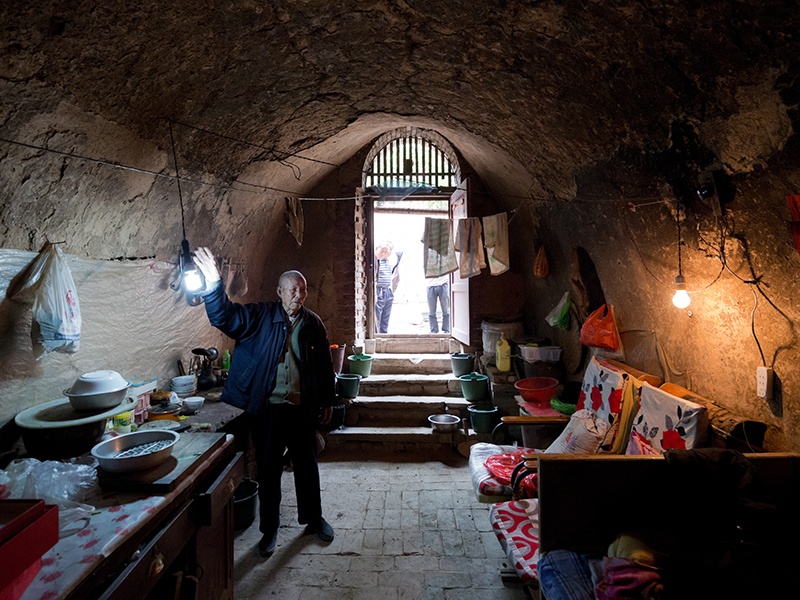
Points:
[(192, 280), (681, 298)]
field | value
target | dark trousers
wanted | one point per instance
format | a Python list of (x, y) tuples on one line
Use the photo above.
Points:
[(383, 308), (442, 294), (286, 426)]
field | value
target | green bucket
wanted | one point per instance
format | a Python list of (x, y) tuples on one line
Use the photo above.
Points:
[(474, 387), (348, 384), (462, 364), (483, 417), (360, 363)]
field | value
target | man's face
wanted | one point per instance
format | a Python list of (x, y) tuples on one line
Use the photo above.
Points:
[(382, 252), (292, 293)]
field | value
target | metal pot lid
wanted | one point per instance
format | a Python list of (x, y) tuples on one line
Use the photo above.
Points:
[(164, 409), (60, 413)]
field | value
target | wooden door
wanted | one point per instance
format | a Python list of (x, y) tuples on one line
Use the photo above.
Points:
[(459, 289)]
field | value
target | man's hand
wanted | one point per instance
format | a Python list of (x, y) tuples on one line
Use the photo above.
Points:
[(326, 415), (208, 266)]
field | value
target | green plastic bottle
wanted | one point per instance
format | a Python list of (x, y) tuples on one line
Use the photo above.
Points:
[(226, 359)]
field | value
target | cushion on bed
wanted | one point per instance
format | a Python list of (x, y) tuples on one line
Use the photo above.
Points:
[(603, 392), (667, 422), (516, 525), (487, 487)]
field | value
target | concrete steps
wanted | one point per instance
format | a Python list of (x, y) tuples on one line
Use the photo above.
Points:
[(411, 363), (406, 411), (408, 384), (410, 379)]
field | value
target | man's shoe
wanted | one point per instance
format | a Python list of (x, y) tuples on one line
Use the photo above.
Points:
[(322, 529), (267, 545)]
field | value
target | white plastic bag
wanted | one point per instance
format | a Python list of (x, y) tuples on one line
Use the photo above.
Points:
[(559, 316), (47, 282)]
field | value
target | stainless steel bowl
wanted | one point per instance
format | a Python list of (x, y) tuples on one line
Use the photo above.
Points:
[(444, 423), (135, 451)]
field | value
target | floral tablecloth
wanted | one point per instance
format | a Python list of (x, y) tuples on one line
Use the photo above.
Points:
[(67, 563)]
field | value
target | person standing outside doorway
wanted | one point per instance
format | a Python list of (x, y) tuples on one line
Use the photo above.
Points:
[(439, 289), (281, 375), (387, 273)]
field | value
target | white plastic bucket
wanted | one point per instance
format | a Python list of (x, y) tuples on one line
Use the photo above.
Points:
[(491, 334)]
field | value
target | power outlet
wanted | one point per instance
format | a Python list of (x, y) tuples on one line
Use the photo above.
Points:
[(764, 382)]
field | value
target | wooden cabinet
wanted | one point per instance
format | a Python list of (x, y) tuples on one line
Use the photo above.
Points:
[(189, 556)]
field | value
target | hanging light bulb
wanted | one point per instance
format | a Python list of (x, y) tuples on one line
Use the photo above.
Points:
[(193, 280), (681, 298)]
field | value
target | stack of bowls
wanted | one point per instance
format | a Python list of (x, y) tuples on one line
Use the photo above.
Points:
[(184, 385)]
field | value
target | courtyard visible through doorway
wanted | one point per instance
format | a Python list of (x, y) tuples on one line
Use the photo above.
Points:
[(404, 228)]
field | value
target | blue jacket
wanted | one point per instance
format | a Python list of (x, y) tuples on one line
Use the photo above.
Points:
[(260, 330)]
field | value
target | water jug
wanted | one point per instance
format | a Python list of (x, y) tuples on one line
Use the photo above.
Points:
[(503, 354)]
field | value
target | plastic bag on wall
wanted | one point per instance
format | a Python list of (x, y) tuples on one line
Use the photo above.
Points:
[(559, 316), (47, 283), (541, 268)]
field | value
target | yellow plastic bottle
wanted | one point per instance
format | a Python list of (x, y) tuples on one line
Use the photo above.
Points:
[(502, 356)]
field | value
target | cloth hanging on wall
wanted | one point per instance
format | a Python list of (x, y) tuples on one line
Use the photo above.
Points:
[(495, 238), (293, 217), (469, 245), (439, 253)]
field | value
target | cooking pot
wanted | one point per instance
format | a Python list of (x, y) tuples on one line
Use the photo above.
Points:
[(163, 411)]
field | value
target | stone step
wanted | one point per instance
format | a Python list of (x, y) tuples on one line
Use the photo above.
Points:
[(407, 384), (411, 362), (442, 344), (359, 442), (405, 411)]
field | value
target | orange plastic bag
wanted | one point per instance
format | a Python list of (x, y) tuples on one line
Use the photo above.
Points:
[(600, 329)]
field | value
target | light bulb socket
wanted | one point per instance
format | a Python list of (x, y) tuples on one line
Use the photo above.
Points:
[(680, 283)]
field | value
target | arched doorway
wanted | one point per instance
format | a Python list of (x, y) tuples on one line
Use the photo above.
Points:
[(409, 175)]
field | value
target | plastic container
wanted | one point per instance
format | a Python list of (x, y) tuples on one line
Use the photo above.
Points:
[(348, 384), (474, 387), (360, 364), (537, 389), (503, 354), (540, 353), (462, 364), (483, 417), (491, 334), (122, 422), (337, 356), (244, 504)]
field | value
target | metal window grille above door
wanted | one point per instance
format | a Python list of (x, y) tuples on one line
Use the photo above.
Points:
[(409, 160)]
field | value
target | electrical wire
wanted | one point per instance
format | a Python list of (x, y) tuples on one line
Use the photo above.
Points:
[(178, 179)]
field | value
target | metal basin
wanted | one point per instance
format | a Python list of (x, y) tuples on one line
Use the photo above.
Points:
[(444, 422), (135, 451)]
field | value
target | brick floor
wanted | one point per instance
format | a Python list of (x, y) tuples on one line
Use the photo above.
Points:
[(407, 527)]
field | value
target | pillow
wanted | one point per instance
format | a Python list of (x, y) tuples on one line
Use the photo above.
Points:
[(601, 390), (665, 421), (583, 434)]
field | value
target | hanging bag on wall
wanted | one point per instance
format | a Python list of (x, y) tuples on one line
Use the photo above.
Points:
[(600, 330), (48, 284), (559, 316)]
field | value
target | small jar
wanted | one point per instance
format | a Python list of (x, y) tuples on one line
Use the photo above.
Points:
[(122, 422)]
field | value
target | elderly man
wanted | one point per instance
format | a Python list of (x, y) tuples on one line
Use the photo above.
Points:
[(281, 375)]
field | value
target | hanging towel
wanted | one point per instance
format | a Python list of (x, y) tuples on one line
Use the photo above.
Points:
[(293, 217), (469, 245), (495, 238), (440, 256)]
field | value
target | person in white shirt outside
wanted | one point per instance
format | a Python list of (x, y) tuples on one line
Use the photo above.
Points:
[(387, 272)]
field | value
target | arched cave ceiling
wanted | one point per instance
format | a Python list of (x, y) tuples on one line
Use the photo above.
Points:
[(538, 96)]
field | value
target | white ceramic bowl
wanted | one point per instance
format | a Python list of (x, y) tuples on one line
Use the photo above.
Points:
[(98, 382), (97, 390), (183, 381), (192, 404)]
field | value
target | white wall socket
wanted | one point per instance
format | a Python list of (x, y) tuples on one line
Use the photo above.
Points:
[(764, 382)]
